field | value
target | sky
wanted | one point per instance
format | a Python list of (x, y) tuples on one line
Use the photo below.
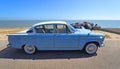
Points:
[(60, 9)]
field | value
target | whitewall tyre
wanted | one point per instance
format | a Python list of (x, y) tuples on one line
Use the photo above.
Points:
[(91, 48), (29, 49)]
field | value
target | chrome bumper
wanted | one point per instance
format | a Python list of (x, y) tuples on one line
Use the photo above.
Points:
[(102, 45), (9, 45)]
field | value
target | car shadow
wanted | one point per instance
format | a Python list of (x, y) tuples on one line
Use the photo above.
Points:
[(12, 53)]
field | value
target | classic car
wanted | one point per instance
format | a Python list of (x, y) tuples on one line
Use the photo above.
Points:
[(56, 35)]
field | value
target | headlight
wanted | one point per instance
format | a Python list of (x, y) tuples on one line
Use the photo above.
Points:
[(101, 37)]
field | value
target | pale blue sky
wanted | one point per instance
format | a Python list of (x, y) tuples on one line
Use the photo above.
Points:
[(60, 9)]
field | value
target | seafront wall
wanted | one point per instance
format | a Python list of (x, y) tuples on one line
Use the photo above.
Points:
[(112, 30)]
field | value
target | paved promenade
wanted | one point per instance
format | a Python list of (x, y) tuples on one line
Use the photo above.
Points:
[(107, 57)]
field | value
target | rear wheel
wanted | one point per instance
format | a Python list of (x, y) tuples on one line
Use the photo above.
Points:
[(29, 49), (91, 48)]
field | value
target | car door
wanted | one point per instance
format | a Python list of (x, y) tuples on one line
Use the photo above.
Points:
[(64, 38), (45, 36)]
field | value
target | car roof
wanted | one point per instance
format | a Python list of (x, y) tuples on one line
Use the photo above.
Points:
[(50, 22)]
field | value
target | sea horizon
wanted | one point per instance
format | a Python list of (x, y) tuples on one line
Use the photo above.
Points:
[(29, 23)]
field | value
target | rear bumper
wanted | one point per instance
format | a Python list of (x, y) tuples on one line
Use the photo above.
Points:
[(9, 45)]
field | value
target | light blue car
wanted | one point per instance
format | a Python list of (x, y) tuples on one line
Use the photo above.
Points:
[(56, 35)]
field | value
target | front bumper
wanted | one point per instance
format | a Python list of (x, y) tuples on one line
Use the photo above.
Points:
[(102, 45)]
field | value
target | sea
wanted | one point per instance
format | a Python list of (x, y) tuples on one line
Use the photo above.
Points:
[(29, 23)]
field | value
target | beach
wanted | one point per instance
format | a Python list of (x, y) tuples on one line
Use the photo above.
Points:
[(5, 31)]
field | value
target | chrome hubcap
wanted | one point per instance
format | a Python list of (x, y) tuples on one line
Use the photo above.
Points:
[(30, 49), (91, 48)]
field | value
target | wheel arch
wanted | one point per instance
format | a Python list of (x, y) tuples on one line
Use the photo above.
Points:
[(97, 43), (25, 44)]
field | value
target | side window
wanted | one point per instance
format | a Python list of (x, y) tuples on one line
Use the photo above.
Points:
[(39, 29), (49, 28), (61, 28)]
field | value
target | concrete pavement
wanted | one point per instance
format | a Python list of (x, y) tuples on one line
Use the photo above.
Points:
[(107, 57)]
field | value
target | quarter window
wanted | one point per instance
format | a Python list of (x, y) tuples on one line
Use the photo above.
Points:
[(40, 29), (48, 28)]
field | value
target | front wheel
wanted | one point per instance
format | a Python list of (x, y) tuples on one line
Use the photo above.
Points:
[(91, 48), (29, 49)]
